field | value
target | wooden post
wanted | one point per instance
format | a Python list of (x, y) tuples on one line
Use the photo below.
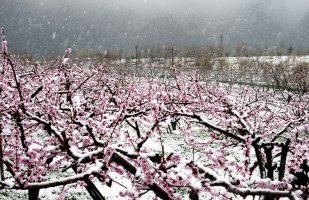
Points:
[(172, 56), (136, 48), (136, 63), (221, 46), (120, 54)]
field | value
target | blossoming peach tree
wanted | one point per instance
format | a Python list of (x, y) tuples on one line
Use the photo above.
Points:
[(182, 138)]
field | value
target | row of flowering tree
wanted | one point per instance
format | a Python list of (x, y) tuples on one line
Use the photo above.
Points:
[(65, 125)]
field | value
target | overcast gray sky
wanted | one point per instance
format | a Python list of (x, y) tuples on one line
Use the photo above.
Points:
[(48, 26)]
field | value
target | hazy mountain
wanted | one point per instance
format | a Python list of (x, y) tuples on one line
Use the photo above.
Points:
[(49, 26)]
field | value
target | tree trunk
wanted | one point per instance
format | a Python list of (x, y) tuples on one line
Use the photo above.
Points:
[(284, 153), (91, 188), (269, 166), (1, 157), (194, 195), (33, 194)]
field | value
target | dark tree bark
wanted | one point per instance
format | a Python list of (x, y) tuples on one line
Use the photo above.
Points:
[(284, 153), (33, 194)]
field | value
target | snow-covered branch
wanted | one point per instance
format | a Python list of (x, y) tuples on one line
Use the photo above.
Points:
[(244, 191)]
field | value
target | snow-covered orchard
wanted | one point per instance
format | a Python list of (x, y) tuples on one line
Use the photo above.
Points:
[(119, 136)]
